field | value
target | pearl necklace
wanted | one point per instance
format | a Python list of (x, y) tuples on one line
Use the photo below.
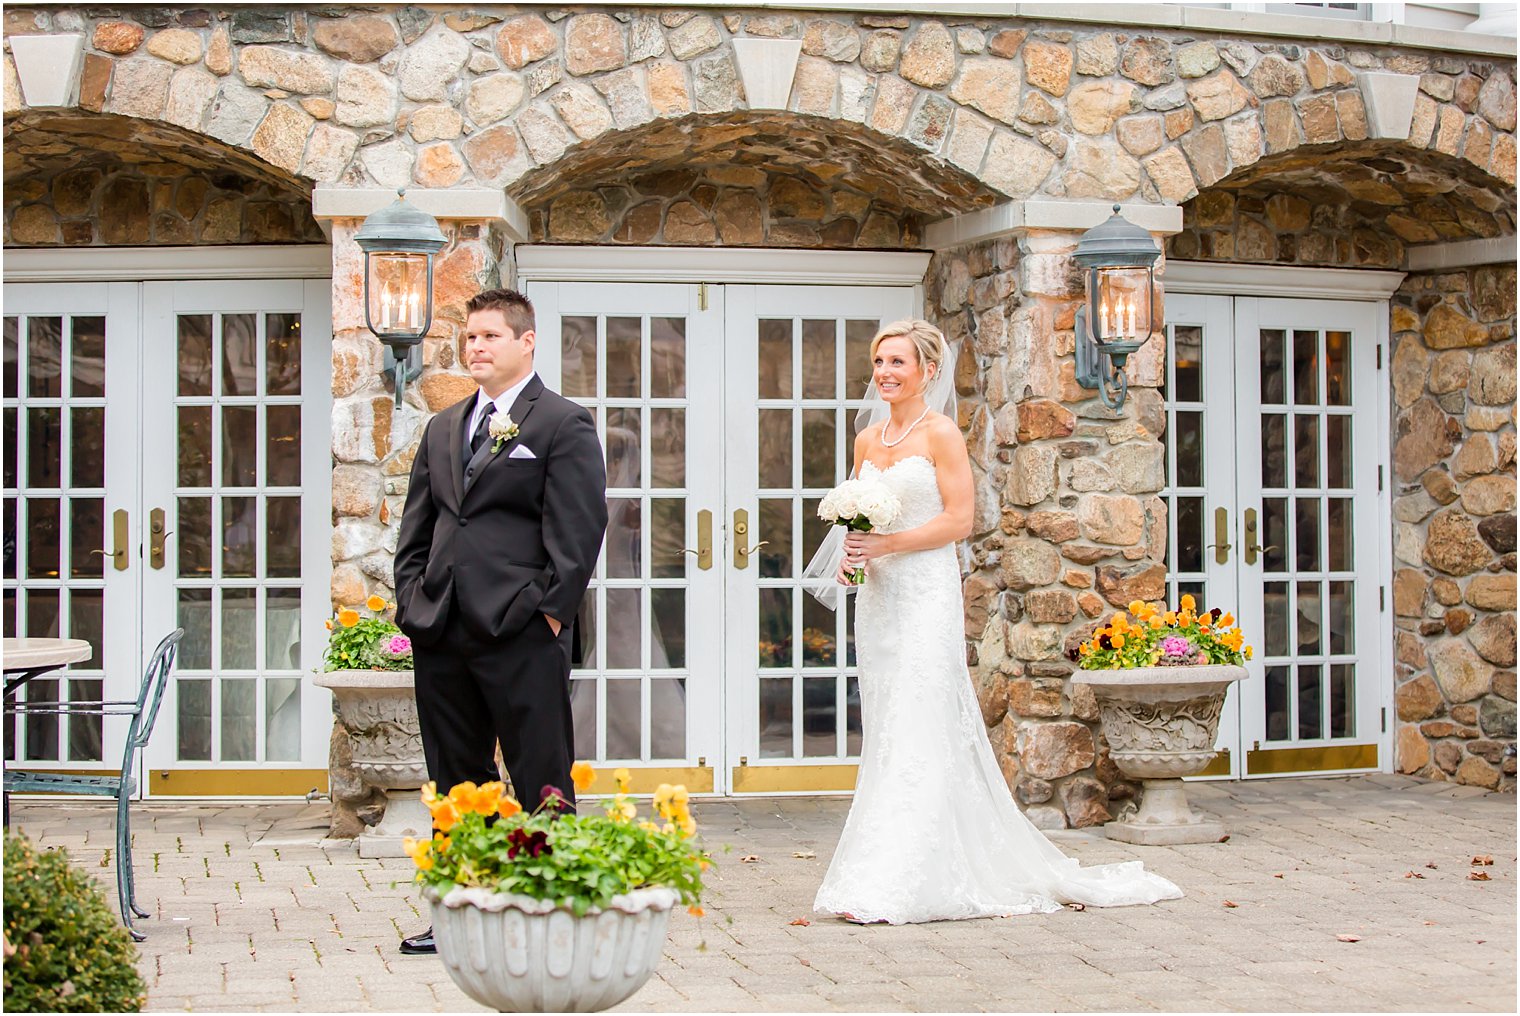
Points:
[(893, 444)]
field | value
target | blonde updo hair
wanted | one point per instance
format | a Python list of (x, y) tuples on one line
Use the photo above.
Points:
[(929, 344)]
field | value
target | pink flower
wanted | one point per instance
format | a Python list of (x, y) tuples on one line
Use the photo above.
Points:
[(398, 645), (1174, 646)]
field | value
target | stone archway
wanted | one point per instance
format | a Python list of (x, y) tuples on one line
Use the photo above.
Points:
[(746, 179), (77, 178)]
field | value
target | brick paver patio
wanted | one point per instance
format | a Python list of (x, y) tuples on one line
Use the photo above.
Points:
[(254, 910)]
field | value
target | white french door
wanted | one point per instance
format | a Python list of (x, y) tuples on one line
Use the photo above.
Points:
[(725, 412), (1273, 470), (175, 434)]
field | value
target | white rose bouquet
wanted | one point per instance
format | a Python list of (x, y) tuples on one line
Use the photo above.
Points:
[(862, 505)]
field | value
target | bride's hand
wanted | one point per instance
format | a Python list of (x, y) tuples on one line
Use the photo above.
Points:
[(842, 576), (860, 548)]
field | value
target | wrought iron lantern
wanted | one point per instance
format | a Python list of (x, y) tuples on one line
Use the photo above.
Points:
[(399, 242), (1120, 259)]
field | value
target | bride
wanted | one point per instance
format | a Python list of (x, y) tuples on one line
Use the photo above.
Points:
[(933, 832)]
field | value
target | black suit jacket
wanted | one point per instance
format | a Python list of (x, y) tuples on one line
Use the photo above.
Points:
[(498, 538)]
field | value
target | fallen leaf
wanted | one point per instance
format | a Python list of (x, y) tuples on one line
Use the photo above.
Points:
[(1278, 875), (804, 962), (1225, 838), (1480, 941), (1231, 904), (1477, 876), (1430, 864), (1413, 874), (801, 922), (749, 858), (1483, 859), (806, 855), (1430, 924), (1077, 906), (1348, 938)]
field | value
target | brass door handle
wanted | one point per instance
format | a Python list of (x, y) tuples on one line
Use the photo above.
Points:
[(156, 537), (1252, 548), (703, 549), (119, 536), (1221, 544), (742, 547)]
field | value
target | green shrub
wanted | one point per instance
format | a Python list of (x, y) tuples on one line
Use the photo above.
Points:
[(65, 950)]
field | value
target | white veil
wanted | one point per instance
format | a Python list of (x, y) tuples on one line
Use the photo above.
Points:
[(818, 578)]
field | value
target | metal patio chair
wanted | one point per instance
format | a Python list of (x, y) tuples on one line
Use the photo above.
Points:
[(143, 711)]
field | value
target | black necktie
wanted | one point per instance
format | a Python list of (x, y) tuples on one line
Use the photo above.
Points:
[(481, 432)]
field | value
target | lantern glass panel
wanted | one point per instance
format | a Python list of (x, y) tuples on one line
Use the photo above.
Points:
[(1121, 304), (399, 295)]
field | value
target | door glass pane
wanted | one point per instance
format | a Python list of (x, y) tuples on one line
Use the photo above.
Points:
[(667, 450), (1275, 618), (1338, 529), (1275, 693), (193, 706), (1310, 701), (239, 623), (194, 354), (1309, 620), (1187, 364), (623, 451), (282, 719), (775, 648), (818, 360), (776, 448), (1274, 377), (282, 441), (667, 718), (624, 359), (282, 338), (624, 549), (87, 538), (578, 361), (195, 617), (195, 444), (87, 355), (1338, 368), (820, 716), (1190, 534), (1338, 451), (775, 529), (42, 560), (42, 728), (239, 698), (1274, 450), (85, 731), (1306, 450), (1274, 533), (282, 629), (240, 535), (775, 717), (857, 358), (1342, 636), (1188, 449), (667, 635), (193, 536), (818, 445), (240, 446), (624, 631), (667, 539), (44, 449), (240, 351), (1342, 700), (44, 357), (624, 719), (1305, 368), (667, 358), (10, 328), (87, 446), (1306, 533), (775, 359)]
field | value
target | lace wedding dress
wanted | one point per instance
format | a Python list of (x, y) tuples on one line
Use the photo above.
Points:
[(933, 833)]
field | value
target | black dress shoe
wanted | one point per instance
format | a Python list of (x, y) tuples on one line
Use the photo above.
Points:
[(419, 945)]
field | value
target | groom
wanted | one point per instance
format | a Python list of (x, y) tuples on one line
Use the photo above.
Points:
[(503, 522)]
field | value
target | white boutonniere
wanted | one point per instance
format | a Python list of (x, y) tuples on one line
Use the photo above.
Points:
[(502, 429)]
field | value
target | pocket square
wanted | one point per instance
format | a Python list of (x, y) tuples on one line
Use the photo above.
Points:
[(521, 452)]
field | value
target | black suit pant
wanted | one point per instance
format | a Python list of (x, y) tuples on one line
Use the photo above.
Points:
[(474, 691)]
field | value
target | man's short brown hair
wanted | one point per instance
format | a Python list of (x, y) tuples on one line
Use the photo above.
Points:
[(515, 308)]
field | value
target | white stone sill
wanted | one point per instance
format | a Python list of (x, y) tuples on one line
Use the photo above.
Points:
[(1159, 15)]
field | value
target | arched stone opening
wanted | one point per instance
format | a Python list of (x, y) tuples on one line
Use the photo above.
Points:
[(1354, 204), (747, 179), (85, 179)]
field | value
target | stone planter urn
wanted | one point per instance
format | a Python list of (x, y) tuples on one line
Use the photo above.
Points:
[(1160, 723), (379, 709), (520, 954)]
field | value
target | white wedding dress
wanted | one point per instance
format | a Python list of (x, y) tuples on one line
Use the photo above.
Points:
[(933, 833)]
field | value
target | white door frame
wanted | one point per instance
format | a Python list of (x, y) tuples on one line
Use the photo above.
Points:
[(1363, 285)]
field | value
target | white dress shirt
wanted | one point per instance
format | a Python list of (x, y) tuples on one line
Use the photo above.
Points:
[(502, 403)]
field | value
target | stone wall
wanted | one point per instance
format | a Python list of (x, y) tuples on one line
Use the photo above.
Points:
[(1454, 524), (729, 206), (1068, 525), (158, 203)]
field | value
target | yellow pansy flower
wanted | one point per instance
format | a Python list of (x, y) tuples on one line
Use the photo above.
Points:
[(375, 603), (582, 775), (348, 617), (622, 778)]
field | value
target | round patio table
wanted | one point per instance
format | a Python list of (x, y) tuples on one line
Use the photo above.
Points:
[(28, 657)]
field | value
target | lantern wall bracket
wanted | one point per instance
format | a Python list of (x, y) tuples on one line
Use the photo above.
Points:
[(1101, 366), (399, 373)]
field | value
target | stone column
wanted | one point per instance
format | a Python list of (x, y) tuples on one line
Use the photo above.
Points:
[(1068, 525), (374, 443)]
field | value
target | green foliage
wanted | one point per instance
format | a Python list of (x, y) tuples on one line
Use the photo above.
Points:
[(355, 642), (1208, 638), (65, 950), (578, 861)]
